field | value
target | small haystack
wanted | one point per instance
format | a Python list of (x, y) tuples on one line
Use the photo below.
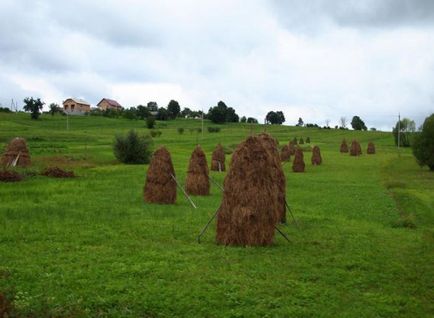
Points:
[(218, 159), (247, 215), (298, 163), (371, 148), (355, 150), (197, 182), (292, 147), (344, 146), (56, 172), (316, 156), (270, 145), (16, 153), (285, 153), (160, 187), (10, 176)]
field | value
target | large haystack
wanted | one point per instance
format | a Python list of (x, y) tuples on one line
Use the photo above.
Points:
[(197, 182), (160, 187), (355, 150), (316, 156), (285, 153), (270, 145), (218, 159), (247, 215), (298, 163), (371, 148), (16, 149), (344, 146)]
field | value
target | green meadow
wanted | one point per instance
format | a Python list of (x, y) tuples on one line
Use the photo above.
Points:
[(90, 246)]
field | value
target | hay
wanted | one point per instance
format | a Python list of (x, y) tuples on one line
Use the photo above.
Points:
[(56, 172), (298, 164), (16, 146), (344, 146), (371, 148), (160, 187), (355, 150), (285, 153), (270, 144), (316, 156), (5, 307), (247, 215), (218, 159), (10, 176), (197, 182), (292, 147)]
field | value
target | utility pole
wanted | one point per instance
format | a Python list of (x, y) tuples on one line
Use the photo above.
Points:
[(67, 120), (399, 130), (202, 126)]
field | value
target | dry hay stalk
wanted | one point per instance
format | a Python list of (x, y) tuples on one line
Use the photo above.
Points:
[(218, 159), (17, 148), (197, 182), (355, 150), (285, 154), (344, 146), (270, 144), (247, 215), (56, 172), (160, 187), (371, 148), (316, 156), (298, 164)]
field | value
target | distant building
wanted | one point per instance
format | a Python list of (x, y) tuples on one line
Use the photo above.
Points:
[(76, 106), (106, 103)]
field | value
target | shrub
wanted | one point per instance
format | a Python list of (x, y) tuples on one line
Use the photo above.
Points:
[(308, 140), (423, 144), (301, 142), (150, 122), (132, 148), (155, 133), (198, 130), (180, 130), (213, 129)]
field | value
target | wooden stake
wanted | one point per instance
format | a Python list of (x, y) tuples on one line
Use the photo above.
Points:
[(185, 193)]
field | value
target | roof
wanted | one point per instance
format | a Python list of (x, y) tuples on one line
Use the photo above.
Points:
[(77, 100), (111, 102)]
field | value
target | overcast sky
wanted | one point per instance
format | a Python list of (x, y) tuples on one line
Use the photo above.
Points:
[(318, 59)]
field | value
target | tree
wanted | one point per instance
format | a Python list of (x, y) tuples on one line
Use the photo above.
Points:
[(252, 120), (54, 108), (300, 122), (243, 119), (275, 118), (358, 124), (231, 115), (34, 106), (163, 114), (143, 112), (221, 113), (423, 144), (343, 122), (186, 112), (173, 108), (152, 106), (406, 128), (132, 148)]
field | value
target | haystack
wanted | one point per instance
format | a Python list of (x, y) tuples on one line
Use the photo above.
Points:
[(17, 151), (197, 182), (218, 159), (292, 147), (56, 172), (355, 150), (344, 146), (247, 215), (371, 148), (316, 156), (298, 163), (285, 153), (160, 187), (270, 145)]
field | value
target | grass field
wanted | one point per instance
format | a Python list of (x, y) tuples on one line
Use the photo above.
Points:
[(90, 246)]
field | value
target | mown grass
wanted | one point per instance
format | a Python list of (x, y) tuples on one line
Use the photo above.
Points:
[(89, 246)]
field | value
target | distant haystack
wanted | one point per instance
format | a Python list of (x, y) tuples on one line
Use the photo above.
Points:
[(298, 163), (197, 182), (16, 154), (270, 145), (218, 159), (355, 150), (285, 153), (371, 148), (292, 147), (160, 187), (247, 215), (316, 156), (344, 146)]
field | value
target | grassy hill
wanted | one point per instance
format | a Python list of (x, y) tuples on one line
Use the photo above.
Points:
[(90, 246)]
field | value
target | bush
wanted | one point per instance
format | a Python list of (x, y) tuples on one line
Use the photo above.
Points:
[(301, 142), (180, 130), (213, 129), (150, 122), (155, 133), (423, 144), (308, 140), (132, 148), (5, 110)]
